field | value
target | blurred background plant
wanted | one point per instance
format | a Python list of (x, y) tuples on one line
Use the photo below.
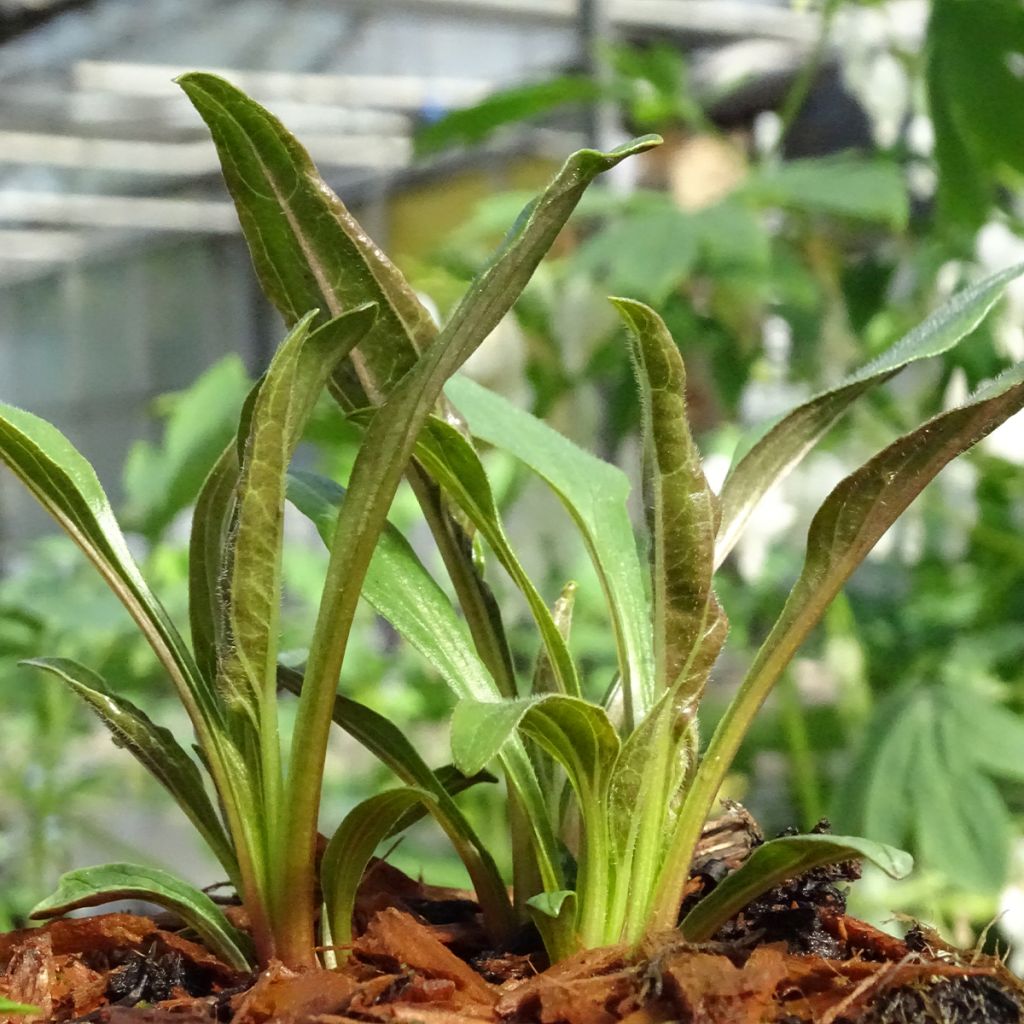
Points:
[(831, 171)]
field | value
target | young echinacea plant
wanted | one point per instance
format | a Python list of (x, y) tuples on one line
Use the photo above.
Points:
[(617, 777)]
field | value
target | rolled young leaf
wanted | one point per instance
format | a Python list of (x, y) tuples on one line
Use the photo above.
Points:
[(681, 508), (595, 495), (281, 408), (388, 446), (92, 887), (344, 861), (781, 447), (777, 861), (154, 747), (846, 527)]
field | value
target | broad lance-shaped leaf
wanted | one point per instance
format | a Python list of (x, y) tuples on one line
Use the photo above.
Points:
[(66, 486), (595, 495), (400, 589), (382, 459), (308, 250), (105, 883), (282, 407), (681, 508), (777, 861), (454, 464), (846, 527), (154, 747), (784, 444), (392, 748), (349, 850)]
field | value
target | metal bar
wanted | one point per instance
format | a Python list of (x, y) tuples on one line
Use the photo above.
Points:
[(189, 159), (201, 216)]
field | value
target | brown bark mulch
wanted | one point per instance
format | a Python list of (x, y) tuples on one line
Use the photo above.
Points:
[(794, 956)]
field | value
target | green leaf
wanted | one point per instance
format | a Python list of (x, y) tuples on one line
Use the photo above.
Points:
[(646, 253), (452, 462), (66, 486), (595, 494), (582, 739), (308, 250), (154, 747), (10, 1006), (962, 825), (777, 861), (161, 481), (392, 748), (576, 733), (283, 404), (480, 729), (681, 508), (783, 445), (92, 887), (478, 122), (551, 904), (847, 186), (363, 829), (846, 527), (989, 735), (387, 448), (976, 99), (400, 589), (207, 540)]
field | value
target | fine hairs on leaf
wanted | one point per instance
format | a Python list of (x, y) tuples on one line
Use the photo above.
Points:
[(358, 331), (604, 814)]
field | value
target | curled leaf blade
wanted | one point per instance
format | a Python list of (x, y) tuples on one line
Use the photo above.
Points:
[(784, 444), (349, 851), (104, 883), (777, 861)]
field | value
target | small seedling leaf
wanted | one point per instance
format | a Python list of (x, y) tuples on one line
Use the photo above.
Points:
[(104, 883), (392, 747), (777, 861), (363, 829)]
